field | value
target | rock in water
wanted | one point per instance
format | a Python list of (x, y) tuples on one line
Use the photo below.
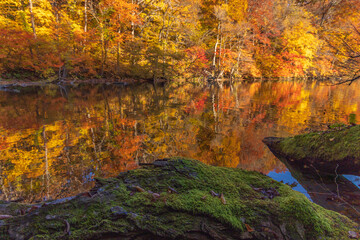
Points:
[(335, 151)]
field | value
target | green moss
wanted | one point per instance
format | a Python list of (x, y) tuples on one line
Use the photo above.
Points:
[(333, 145), (12, 208), (316, 220), (172, 215)]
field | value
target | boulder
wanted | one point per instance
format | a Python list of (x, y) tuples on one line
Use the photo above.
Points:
[(179, 198), (335, 151)]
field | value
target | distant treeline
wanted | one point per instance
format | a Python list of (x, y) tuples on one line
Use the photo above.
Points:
[(172, 39)]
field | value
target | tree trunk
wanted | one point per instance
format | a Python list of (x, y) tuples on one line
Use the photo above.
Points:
[(102, 51), (85, 16), (47, 175), (32, 17), (118, 58), (215, 50), (132, 24)]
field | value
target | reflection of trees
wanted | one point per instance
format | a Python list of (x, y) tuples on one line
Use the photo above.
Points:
[(101, 130)]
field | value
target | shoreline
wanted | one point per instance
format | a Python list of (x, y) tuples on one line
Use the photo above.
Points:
[(6, 84)]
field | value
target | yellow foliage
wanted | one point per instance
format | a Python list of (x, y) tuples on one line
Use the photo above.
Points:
[(301, 38), (237, 9)]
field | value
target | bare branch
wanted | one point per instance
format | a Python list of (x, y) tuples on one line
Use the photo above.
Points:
[(350, 81)]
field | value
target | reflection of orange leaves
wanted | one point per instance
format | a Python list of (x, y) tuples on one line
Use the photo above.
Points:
[(122, 122), (58, 102), (18, 122), (260, 117), (88, 125), (123, 148), (287, 94), (126, 145), (112, 167), (3, 143), (226, 101), (197, 105)]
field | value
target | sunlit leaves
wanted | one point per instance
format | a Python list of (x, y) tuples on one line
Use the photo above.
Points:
[(180, 39), (237, 9)]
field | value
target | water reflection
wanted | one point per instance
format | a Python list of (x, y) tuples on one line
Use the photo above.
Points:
[(55, 140), (288, 179), (335, 192)]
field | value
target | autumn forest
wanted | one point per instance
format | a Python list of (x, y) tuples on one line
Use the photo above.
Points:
[(173, 39), (180, 119)]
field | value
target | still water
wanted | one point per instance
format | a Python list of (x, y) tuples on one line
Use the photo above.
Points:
[(55, 139)]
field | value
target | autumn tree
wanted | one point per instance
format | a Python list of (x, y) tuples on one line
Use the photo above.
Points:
[(170, 39)]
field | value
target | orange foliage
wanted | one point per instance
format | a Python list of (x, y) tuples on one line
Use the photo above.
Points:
[(168, 39)]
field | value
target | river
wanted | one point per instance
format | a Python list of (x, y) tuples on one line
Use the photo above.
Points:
[(55, 139)]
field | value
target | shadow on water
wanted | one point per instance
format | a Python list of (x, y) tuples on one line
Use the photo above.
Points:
[(337, 192)]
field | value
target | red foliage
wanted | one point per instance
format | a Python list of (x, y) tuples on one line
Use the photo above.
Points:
[(197, 105), (196, 58)]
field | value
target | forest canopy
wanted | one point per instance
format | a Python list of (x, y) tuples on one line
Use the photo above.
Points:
[(167, 39)]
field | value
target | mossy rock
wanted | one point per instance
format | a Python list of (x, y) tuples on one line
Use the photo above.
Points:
[(335, 151), (174, 199)]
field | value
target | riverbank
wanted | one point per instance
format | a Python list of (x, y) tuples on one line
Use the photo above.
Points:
[(178, 199), (9, 83), (26, 83)]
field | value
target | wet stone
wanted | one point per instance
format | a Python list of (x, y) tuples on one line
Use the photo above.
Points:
[(50, 217), (118, 211), (161, 163)]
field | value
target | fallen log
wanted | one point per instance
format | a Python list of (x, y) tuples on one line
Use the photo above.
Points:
[(335, 151), (179, 199)]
